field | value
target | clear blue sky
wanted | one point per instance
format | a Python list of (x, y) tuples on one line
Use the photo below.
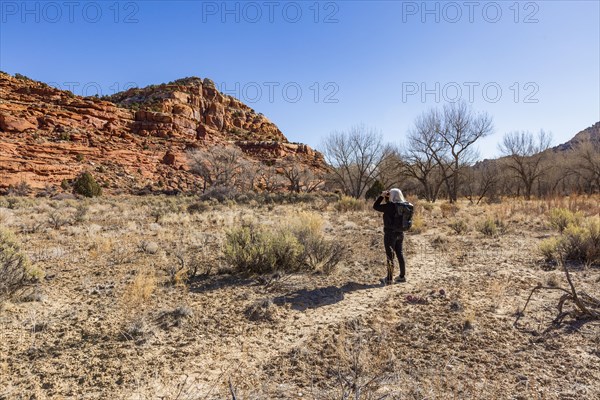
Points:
[(314, 67)]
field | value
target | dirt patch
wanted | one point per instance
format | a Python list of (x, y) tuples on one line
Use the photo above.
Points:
[(112, 320)]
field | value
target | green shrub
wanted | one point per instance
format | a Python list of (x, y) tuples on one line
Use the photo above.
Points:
[(255, 250), (86, 185), (65, 184), (577, 243), (375, 190), (492, 227), (15, 269), (459, 226), (199, 207), (22, 77), (561, 218), (297, 245), (347, 203), (549, 248)]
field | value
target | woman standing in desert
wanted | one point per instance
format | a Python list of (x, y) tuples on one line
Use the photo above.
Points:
[(393, 236)]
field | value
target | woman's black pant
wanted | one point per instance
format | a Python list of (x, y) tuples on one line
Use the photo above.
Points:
[(393, 244)]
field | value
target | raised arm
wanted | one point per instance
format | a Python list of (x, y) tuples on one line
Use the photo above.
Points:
[(377, 206)]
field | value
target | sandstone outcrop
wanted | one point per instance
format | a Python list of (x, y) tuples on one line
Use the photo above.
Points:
[(131, 140)]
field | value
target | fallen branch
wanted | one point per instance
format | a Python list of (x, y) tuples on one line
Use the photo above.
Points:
[(586, 306)]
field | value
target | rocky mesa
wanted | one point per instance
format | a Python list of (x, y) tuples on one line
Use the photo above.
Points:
[(131, 140)]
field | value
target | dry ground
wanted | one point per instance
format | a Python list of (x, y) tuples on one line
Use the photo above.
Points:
[(113, 320)]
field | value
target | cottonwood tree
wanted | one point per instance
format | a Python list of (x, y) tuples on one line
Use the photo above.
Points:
[(525, 154), (587, 163), (419, 154), (299, 176), (270, 180), (442, 141), (457, 131), (218, 166), (355, 156), (313, 180), (559, 176), (390, 169), (250, 177), (482, 181)]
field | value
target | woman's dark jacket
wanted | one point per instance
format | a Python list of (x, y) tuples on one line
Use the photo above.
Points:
[(389, 210)]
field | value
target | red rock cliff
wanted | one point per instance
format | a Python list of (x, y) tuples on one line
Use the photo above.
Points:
[(133, 139)]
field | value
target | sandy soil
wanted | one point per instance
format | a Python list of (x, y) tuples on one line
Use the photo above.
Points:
[(447, 333)]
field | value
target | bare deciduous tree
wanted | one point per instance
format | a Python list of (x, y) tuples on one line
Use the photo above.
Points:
[(419, 155), (299, 176), (442, 142), (390, 169), (218, 166), (355, 156), (270, 180), (460, 127), (482, 181), (587, 164), (526, 153)]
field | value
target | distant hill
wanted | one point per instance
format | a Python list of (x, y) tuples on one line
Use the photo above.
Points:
[(131, 140), (591, 134)]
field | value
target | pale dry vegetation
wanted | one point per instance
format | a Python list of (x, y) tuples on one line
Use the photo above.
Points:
[(279, 298)]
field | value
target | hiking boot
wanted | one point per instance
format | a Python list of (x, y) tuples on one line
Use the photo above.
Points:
[(400, 279), (386, 281)]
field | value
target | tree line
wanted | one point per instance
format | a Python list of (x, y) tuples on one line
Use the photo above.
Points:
[(438, 159)]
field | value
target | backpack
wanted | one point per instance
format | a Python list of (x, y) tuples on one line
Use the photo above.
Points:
[(403, 216)]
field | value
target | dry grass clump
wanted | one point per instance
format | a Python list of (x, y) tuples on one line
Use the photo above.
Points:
[(140, 289), (5, 216), (449, 209), (425, 205), (174, 318), (459, 226), (199, 207), (15, 268), (190, 257), (355, 362), (418, 225), (319, 253), (587, 204), (347, 203)]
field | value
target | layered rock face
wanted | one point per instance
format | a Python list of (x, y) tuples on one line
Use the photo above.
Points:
[(131, 140)]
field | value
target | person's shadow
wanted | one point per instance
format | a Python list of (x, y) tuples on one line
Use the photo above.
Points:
[(304, 299)]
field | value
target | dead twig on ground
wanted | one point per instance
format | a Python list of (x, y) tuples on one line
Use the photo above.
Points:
[(232, 390), (586, 306)]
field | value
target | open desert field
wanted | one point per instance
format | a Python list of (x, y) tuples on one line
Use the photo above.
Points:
[(136, 298)]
